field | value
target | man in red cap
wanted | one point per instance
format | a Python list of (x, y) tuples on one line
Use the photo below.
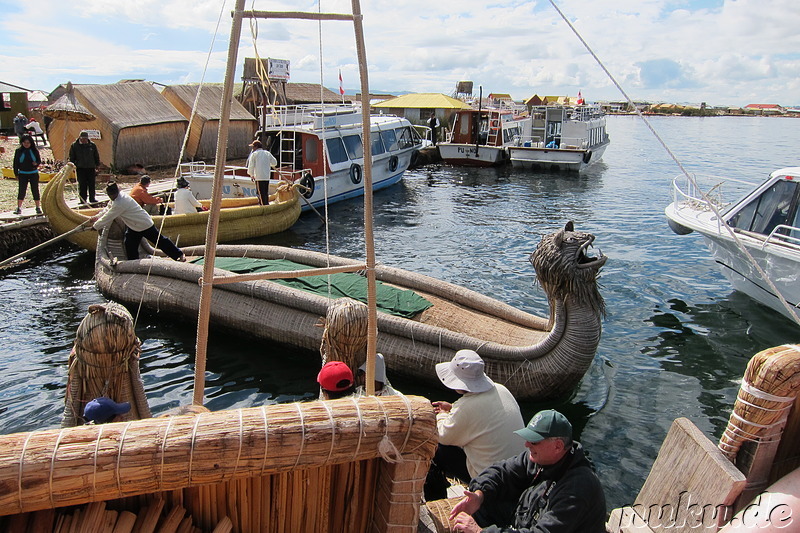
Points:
[(336, 380)]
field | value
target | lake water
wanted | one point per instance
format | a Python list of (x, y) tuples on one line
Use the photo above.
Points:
[(675, 341)]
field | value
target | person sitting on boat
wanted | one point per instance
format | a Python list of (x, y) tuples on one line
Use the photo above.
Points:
[(552, 144), (260, 163), (382, 385), (138, 222), (476, 430), (103, 409), (185, 202), (335, 380), (549, 487), (147, 201)]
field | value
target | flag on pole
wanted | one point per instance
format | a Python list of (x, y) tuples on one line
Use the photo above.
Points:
[(341, 87), (579, 102)]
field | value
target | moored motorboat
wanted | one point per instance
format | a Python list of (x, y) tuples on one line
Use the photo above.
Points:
[(480, 137), (764, 224), (319, 147), (562, 138), (534, 357), (240, 218)]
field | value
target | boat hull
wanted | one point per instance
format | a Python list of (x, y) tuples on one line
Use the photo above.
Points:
[(556, 159), (533, 359), (469, 155)]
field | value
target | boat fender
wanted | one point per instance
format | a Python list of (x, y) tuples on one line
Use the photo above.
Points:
[(355, 173), (393, 161), (678, 229), (587, 156), (307, 181)]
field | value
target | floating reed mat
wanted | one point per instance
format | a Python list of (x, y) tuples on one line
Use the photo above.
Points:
[(73, 466), (105, 362), (768, 392)]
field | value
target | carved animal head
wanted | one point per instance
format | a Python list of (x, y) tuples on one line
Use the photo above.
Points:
[(565, 270)]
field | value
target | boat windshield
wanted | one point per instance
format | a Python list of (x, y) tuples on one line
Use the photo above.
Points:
[(775, 206)]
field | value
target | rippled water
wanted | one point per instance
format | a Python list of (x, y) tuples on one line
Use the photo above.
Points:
[(675, 341)]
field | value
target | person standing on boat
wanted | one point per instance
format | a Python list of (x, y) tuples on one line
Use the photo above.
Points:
[(26, 169), (550, 487), (185, 202), (476, 430), (138, 221), (259, 167), (84, 155), (148, 202), (433, 124)]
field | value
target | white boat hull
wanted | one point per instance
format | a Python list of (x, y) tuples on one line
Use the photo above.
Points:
[(780, 261), (563, 159), (469, 155)]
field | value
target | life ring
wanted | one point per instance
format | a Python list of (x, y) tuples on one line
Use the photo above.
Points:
[(355, 173), (393, 161), (307, 181), (587, 156), (494, 124)]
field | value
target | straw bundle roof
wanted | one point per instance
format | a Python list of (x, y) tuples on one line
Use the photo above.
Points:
[(105, 362), (345, 335), (67, 107), (768, 392)]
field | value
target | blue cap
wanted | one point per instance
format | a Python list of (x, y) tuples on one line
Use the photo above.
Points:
[(102, 409)]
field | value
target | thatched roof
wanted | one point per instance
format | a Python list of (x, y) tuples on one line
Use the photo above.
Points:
[(208, 106), (125, 105), (309, 93), (423, 101)]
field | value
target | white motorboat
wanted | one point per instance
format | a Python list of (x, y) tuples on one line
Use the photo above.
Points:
[(295, 135), (480, 137), (562, 138), (766, 222)]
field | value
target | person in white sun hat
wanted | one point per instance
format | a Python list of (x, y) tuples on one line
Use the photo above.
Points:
[(474, 431)]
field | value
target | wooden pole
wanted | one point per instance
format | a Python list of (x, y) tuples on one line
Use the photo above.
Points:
[(216, 203), (369, 240)]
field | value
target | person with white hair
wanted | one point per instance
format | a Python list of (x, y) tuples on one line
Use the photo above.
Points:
[(476, 430)]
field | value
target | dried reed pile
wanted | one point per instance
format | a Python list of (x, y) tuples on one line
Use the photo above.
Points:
[(345, 335), (312, 466), (105, 362), (768, 392)]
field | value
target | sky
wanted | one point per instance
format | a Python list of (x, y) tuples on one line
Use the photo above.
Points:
[(722, 52)]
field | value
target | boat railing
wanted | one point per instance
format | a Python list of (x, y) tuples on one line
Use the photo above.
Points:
[(200, 168), (783, 234), (317, 115), (687, 193)]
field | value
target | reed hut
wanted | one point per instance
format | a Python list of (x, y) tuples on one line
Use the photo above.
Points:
[(203, 129), (133, 125)]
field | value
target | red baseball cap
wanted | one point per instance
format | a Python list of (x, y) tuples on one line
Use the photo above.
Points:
[(335, 376)]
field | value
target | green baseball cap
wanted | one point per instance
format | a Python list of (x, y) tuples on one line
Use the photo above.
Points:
[(546, 424)]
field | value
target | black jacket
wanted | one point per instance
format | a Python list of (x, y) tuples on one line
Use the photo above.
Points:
[(84, 155), (560, 498), (26, 160)]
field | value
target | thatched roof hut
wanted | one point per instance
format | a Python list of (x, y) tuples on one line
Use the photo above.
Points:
[(134, 124), (202, 143)]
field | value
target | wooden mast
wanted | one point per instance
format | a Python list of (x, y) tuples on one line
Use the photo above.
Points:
[(207, 281)]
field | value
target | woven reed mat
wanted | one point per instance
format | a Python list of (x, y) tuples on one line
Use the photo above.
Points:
[(345, 335), (440, 513), (769, 390), (105, 362)]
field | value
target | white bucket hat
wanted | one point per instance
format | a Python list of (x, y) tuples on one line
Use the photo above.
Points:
[(464, 372), (380, 368)]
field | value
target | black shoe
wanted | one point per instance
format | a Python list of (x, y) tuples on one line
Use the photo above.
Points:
[(93, 201), (38, 210), (18, 211)]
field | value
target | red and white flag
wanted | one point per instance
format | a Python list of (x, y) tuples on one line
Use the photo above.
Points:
[(580, 99), (341, 87)]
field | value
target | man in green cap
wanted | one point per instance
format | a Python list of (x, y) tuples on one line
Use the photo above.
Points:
[(551, 487)]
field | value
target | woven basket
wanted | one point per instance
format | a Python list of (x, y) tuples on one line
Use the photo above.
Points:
[(440, 513)]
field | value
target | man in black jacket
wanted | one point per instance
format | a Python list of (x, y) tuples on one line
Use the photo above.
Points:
[(83, 153), (549, 488)]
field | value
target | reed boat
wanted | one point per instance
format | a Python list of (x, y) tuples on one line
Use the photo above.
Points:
[(563, 138), (481, 137), (8, 173), (240, 218), (534, 357)]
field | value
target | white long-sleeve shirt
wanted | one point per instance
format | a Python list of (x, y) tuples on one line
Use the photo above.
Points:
[(483, 424), (259, 164), (185, 202), (126, 209)]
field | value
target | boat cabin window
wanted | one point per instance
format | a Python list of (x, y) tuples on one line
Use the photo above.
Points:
[(376, 143), (336, 150), (389, 140), (777, 205), (405, 139), (510, 133), (355, 149)]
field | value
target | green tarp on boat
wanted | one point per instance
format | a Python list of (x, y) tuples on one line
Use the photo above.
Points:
[(391, 300)]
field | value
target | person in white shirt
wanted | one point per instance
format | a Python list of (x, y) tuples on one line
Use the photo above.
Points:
[(138, 222), (476, 430), (36, 130), (260, 163), (185, 202)]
